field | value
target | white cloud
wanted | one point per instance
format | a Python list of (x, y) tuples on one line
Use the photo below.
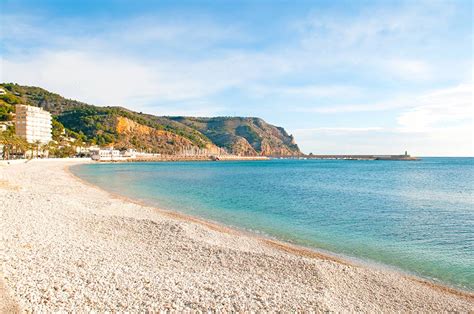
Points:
[(336, 130), (185, 33), (435, 123), (95, 79), (108, 79), (168, 66), (130, 34), (347, 108), (195, 108), (305, 91), (388, 42), (154, 50), (439, 143), (408, 69), (431, 106), (441, 109), (376, 24)]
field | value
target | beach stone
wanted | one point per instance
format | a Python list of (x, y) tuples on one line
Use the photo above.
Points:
[(67, 246)]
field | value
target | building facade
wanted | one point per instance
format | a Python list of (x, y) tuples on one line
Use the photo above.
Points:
[(107, 154), (33, 124)]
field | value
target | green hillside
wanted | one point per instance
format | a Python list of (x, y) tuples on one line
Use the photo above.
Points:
[(100, 125)]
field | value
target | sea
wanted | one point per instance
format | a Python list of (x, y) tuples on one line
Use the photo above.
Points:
[(413, 216)]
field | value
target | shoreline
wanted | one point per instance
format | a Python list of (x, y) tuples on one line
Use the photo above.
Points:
[(82, 233), (293, 248), (217, 226)]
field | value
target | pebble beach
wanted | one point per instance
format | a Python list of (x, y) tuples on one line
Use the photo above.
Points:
[(69, 246)]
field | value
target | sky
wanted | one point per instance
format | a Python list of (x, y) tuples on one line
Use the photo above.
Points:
[(344, 77)]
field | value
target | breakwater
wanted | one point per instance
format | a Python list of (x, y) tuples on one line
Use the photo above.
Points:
[(364, 157)]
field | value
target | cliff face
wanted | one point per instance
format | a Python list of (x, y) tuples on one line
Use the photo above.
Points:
[(245, 136), (128, 129), (132, 134)]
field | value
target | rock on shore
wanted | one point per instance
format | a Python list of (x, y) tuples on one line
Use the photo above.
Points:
[(66, 245)]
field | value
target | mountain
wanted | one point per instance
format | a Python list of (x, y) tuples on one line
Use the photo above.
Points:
[(125, 128), (251, 136)]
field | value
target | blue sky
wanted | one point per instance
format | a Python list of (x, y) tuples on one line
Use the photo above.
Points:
[(341, 76)]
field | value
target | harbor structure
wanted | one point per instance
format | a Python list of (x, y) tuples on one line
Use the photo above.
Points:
[(33, 124), (405, 156)]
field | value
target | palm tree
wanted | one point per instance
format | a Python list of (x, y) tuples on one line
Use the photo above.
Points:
[(4, 143), (37, 144), (12, 144), (20, 144), (46, 147), (31, 148)]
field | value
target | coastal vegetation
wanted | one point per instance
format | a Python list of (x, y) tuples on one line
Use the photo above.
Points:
[(101, 126), (7, 106), (14, 146)]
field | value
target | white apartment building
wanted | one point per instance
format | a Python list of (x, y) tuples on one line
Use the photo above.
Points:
[(33, 124)]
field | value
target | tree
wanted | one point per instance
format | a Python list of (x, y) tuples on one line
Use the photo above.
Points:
[(37, 145), (66, 151), (12, 144), (5, 112), (78, 143), (10, 99), (57, 129), (46, 148)]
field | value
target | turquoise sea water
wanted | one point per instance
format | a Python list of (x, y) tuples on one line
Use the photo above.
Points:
[(415, 216)]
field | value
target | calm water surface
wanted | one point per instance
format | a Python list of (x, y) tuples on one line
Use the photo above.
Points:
[(416, 216)]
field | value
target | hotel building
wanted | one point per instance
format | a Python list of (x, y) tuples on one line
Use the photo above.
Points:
[(33, 124)]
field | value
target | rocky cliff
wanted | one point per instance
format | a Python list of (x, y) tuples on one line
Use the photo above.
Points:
[(142, 137), (246, 136)]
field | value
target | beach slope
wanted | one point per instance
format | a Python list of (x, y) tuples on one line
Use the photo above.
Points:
[(67, 245)]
